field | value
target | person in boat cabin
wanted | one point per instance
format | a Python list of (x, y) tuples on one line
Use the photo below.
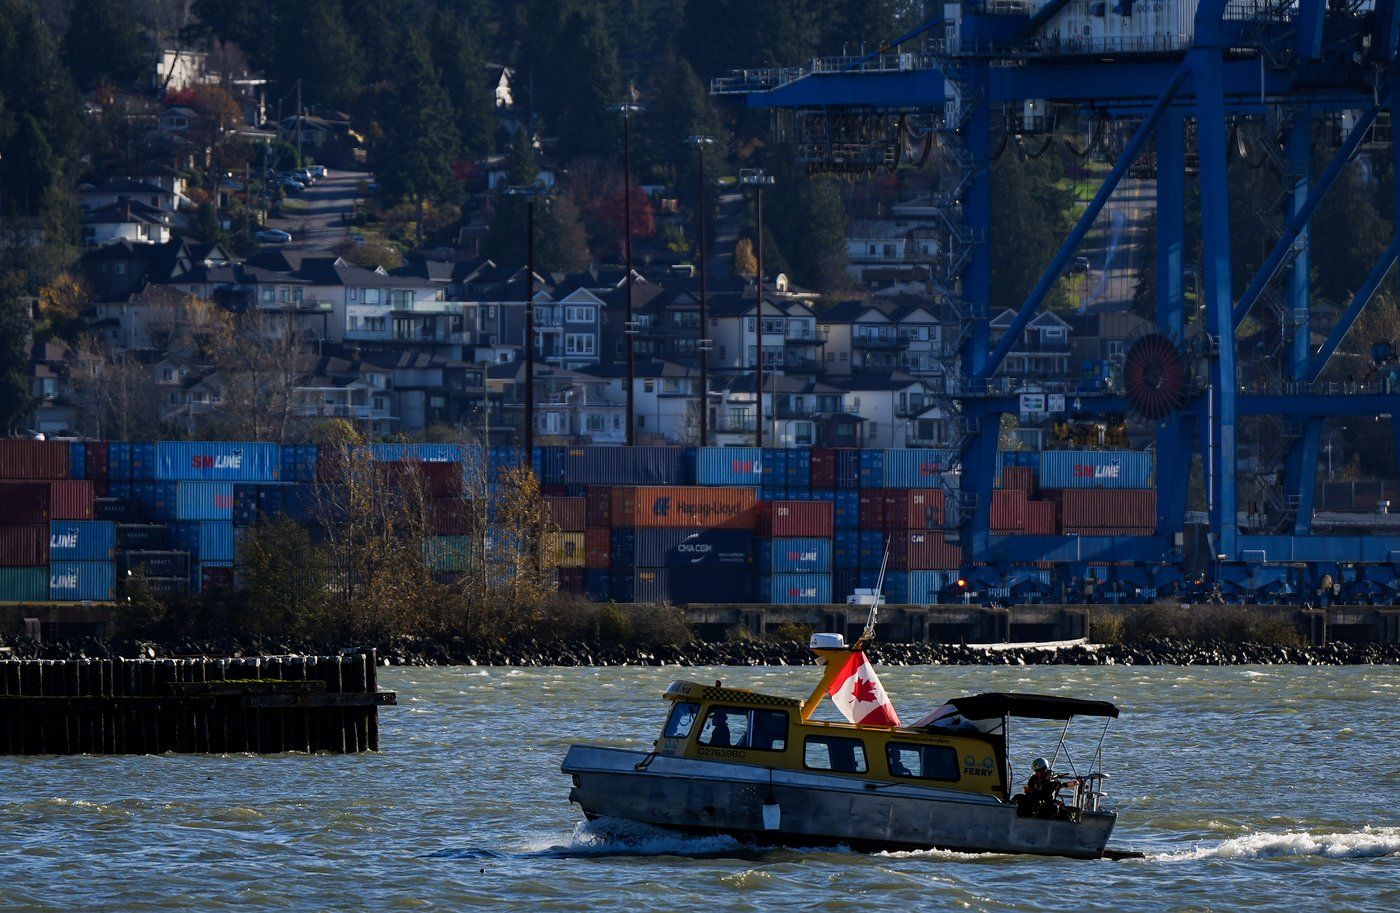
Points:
[(1040, 790), (719, 734)]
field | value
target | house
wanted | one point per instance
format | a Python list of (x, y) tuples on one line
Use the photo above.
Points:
[(431, 388), (1043, 350), (889, 404), (160, 194), (498, 79), (563, 402), (884, 251), (51, 384), (797, 412), (179, 68), (340, 385), (127, 220), (177, 119), (666, 400), (496, 168)]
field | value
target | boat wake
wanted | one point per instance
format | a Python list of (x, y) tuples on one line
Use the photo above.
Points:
[(1367, 843), (616, 837)]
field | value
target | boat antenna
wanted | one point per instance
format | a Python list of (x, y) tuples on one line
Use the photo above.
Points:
[(869, 632)]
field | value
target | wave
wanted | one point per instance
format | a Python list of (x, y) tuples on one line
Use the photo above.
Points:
[(617, 837), (1367, 843)]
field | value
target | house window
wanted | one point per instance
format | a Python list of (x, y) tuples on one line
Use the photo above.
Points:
[(354, 294), (174, 398), (578, 343), (649, 386), (641, 421), (168, 374), (371, 296), (802, 433)]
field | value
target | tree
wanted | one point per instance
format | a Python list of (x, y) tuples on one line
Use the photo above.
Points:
[(560, 240), (104, 44), (414, 160), (580, 81), (312, 42), (61, 302), (259, 357), (456, 53), (745, 263), (16, 333), (598, 192), (1032, 216), (288, 590), (114, 396), (808, 221)]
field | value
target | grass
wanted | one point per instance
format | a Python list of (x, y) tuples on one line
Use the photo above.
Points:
[(294, 207), (1218, 624)]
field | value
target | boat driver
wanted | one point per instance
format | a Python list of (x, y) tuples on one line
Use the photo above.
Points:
[(1039, 801)]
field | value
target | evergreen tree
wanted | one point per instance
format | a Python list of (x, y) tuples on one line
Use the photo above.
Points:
[(1032, 216), (315, 45), (104, 44), (16, 331), (560, 240), (414, 159), (808, 221), (457, 56), (582, 82)]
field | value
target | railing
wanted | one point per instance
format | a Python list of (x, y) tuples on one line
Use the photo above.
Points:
[(806, 336), (890, 343)]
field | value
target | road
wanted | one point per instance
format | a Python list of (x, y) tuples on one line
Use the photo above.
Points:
[(1115, 248), (325, 223)]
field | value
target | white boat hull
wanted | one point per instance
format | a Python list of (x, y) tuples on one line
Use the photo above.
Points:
[(722, 797)]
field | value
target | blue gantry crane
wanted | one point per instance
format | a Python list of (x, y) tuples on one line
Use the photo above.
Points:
[(1182, 75)]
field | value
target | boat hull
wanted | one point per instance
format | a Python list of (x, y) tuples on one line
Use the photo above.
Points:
[(720, 797)]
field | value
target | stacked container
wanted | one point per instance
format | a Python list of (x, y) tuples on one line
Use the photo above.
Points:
[(1109, 512)]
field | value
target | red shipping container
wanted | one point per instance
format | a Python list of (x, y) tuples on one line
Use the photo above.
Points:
[(554, 490), (930, 551), (823, 468), (70, 500), (802, 518), (599, 505), (872, 508), (455, 516), (24, 546), (896, 510), (684, 506), (98, 465), (597, 547), (1109, 530), (25, 502), (26, 459), (1008, 511), (899, 552), (1041, 518), (569, 514), (444, 480), (215, 578), (763, 519), (1018, 478), (924, 507), (1108, 508)]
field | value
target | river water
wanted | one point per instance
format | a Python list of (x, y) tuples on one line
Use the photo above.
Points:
[(1260, 788)]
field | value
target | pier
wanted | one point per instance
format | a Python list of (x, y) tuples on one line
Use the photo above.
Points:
[(260, 705)]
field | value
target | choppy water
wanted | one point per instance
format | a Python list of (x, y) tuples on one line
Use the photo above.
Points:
[(1260, 788)]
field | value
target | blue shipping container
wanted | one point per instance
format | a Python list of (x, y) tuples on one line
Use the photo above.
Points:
[(415, 453), (846, 509), (916, 468), (848, 468), (207, 540), (680, 548), (218, 461), (845, 551), (799, 589), (602, 465), (926, 587), (805, 555), (595, 584), (729, 466), (1096, 469), (872, 469), (896, 588), (299, 462), (82, 581), (77, 460), (204, 500), (681, 586), (82, 540)]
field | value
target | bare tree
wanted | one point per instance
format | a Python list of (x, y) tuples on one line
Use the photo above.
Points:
[(114, 394), (261, 357)]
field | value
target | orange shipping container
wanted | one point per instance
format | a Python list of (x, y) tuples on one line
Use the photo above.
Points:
[(597, 547), (26, 459), (924, 507), (569, 514), (1018, 478), (1040, 518), (1108, 508), (684, 506), (1008, 510), (802, 518)]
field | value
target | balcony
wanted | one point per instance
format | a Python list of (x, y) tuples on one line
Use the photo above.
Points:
[(742, 423), (913, 408), (803, 335), (806, 366), (881, 343)]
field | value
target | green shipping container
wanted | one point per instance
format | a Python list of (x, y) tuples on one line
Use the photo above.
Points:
[(449, 553), (24, 584)]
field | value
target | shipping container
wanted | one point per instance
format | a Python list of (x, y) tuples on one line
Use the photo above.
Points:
[(1008, 512), (212, 576), (70, 500), (603, 465), (1095, 469), (572, 580), (872, 469), (568, 550), (142, 536), (1120, 509), (82, 540), (895, 587), (926, 587), (872, 508), (25, 502), (675, 548), (845, 549), (848, 468), (682, 586), (416, 453), (24, 545), (97, 462), (925, 508), (873, 545), (823, 468), (775, 460), (1019, 478), (214, 540), (678, 506), (82, 581), (156, 564), (77, 460), (168, 586), (218, 461), (597, 547), (119, 510), (930, 551), (569, 514), (1042, 518), (599, 498), (799, 470), (799, 589), (846, 509), (450, 553), (916, 467), (454, 516), (805, 555), (1108, 530), (595, 584), (21, 458), (801, 518), (443, 480), (203, 501), (298, 463), (549, 464), (729, 466), (24, 584)]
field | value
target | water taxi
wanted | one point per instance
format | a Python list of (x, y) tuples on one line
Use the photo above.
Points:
[(759, 767)]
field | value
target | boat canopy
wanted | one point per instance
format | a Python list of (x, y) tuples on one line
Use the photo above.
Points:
[(997, 704)]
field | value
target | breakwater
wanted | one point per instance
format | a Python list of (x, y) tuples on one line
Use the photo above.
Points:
[(461, 651)]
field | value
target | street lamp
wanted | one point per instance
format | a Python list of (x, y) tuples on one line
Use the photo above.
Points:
[(627, 109), (529, 193), (700, 142), (758, 179)]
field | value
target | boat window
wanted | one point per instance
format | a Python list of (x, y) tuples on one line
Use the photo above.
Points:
[(682, 718), (925, 762), (824, 752), (740, 727)]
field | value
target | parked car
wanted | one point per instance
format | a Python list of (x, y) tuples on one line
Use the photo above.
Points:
[(304, 176), (318, 171), (273, 236), (288, 185)]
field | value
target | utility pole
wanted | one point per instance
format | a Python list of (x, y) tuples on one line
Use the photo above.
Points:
[(299, 118), (627, 109), (757, 179), (703, 344), (529, 193)]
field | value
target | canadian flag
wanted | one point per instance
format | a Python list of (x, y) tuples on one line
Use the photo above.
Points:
[(857, 693)]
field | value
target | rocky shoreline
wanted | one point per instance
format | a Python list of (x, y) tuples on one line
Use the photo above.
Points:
[(458, 651)]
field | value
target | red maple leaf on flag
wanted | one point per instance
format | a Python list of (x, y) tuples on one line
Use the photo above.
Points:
[(864, 691)]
